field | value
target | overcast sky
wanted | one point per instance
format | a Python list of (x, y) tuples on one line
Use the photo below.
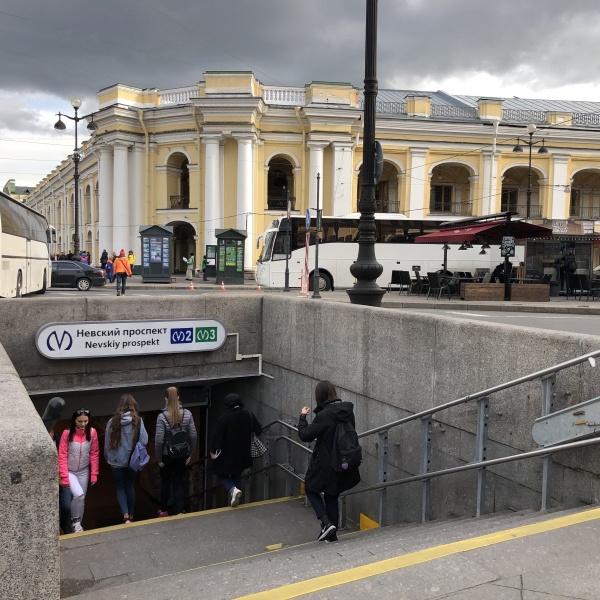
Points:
[(52, 50)]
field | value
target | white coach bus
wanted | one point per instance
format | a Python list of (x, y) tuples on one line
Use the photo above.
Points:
[(24, 249), (394, 250)]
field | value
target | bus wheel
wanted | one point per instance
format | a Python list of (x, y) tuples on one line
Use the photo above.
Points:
[(325, 283), (19, 293), (44, 285)]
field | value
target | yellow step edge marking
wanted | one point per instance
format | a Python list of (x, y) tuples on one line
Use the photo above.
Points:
[(317, 584), (202, 513)]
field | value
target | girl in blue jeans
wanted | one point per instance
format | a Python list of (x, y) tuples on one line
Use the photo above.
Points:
[(121, 434)]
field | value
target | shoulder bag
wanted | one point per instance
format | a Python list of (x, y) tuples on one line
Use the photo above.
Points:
[(257, 448), (139, 456)]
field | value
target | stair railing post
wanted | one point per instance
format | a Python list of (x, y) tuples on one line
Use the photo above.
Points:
[(288, 462), (382, 467), (266, 461), (548, 384), (426, 468), (481, 439)]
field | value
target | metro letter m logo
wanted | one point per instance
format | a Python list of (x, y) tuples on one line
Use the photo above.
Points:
[(206, 334), (63, 343), (182, 335)]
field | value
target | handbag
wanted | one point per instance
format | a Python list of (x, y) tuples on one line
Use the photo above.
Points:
[(139, 456), (257, 448)]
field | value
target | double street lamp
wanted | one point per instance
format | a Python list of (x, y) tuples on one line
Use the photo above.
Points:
[(531, 128), (60, 126)]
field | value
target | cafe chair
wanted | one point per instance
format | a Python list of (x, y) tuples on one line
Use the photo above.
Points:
[(436, 286), (405, 282), (396, 281), (422, 284)]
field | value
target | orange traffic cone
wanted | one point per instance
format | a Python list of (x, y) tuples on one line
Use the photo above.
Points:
[(191, 288), (258, 288), (222, 288)]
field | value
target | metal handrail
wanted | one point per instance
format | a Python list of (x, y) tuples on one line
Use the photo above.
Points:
[(483, 393), (475, 465)]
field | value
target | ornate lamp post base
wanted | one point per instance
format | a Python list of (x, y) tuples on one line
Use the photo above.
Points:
[(367, 293)]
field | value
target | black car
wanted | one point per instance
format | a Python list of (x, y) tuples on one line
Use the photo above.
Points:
[(70, 273)]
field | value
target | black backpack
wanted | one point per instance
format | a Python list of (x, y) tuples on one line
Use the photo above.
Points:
[(346, 452), (177, 443)]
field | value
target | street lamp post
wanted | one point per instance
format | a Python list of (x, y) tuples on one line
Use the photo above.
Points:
[(531, 128), (60, 126), (366, 269)]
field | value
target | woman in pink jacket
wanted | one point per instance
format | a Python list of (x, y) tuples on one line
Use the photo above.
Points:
[(78, 462)]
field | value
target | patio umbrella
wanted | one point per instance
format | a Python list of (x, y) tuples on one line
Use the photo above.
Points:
[(488, 231)]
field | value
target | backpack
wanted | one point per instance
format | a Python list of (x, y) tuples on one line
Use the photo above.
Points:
[(177, 443), (346, 452)]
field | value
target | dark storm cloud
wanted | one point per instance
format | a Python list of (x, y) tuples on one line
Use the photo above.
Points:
[(68, 47)]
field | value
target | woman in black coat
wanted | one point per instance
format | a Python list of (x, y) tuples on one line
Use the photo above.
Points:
[(321, 478), (230, 448)]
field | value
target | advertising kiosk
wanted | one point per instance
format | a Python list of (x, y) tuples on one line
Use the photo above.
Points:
[(156, 253)]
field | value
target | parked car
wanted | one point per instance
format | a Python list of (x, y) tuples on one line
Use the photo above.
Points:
[(70, 273)]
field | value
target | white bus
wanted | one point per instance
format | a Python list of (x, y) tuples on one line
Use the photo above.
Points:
[(24, 249), (394, 250)]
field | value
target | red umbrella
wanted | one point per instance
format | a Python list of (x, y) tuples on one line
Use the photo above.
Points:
[(490, 230)]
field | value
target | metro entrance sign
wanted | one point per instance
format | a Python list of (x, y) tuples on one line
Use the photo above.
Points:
[(93, 339)]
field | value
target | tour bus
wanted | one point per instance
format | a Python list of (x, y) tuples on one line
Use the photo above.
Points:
[(24, 249), (394, 250)]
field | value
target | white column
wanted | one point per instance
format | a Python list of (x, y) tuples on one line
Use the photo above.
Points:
[(316, 167), (473, 181), (136, 200), (341, 184), (488, 202), (105, 212), (560, 199), (419, 183), (120, 197), (245, 193), (212, 189)]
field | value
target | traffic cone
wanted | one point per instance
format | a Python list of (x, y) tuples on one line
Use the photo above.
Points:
[(258, 288), (191, 288), (222, 288)]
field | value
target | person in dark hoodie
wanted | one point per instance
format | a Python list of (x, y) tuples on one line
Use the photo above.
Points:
[(323, 485), (230, 448), (122, 431)]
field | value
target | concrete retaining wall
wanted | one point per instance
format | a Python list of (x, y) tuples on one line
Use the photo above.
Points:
[(390, 363), (29, 558)]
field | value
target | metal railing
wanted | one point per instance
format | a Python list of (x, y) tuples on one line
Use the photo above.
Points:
[(454, 208), (547, 378), (463, 112), (179, 202), (585, 212), (535, 210), (586, 119), (279, 203), (524, 116)]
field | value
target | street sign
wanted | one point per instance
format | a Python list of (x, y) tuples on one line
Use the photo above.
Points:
[(92, 339), (308, 218), (289, 210), (507, 247)]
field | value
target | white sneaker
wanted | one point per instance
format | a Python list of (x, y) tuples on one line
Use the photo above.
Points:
[(236, 496), (76, 526)]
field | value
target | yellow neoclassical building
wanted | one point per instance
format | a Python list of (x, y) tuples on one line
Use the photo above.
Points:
[(227, 152)]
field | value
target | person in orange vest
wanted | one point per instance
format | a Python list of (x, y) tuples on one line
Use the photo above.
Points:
[(122, 272)]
